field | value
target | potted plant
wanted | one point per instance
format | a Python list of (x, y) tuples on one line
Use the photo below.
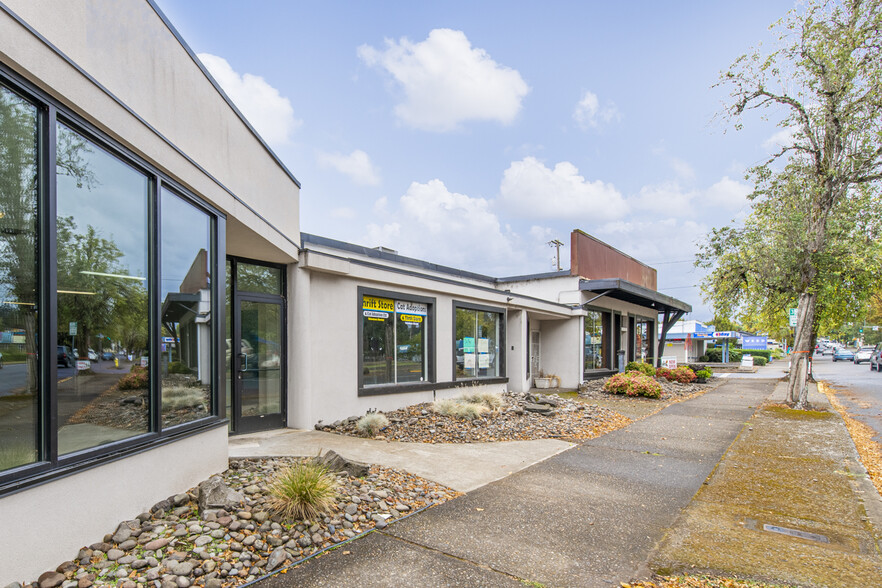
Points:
[(544, 381)]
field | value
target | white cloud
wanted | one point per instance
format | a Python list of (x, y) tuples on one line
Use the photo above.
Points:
[(667, 197), (357, 165), (437, 225), (530, 189), (343, 212), (782, 138), (266, 109), (682, 168), (446, 81), (589, 114), (728, 193)]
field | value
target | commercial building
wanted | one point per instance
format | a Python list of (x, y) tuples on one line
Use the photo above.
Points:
[(157, 295)]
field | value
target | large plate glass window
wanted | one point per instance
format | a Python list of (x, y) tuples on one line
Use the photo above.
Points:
[(597, 332), (19, 377), (185, 351), (102, 253), (393, 341), (478, 343)]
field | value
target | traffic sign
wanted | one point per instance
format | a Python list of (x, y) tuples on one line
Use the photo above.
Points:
[(792, 315)]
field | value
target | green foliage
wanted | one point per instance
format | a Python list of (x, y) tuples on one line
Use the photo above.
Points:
[(639, 366), (178, 367), (633, 384), (303, 491), (812, 234), (766, 353), (702, 375), (371, 424), (760, 360), (703, 359), (715, 355), (137, 379)]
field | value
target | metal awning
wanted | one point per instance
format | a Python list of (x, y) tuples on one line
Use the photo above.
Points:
[(630, 292)]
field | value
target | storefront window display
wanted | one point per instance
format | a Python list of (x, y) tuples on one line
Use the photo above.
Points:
[(478, 340), (643, 339), (597, 333), (394, 335)]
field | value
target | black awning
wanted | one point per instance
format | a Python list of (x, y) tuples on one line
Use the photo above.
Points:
[(635, 294)]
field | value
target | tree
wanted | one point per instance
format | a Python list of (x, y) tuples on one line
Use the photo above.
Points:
[(824, 83)]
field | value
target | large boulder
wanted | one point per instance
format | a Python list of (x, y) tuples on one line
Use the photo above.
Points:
[(214, 493), (337, 463)]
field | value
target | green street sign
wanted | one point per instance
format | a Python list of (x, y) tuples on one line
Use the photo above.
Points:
[(792, 315)]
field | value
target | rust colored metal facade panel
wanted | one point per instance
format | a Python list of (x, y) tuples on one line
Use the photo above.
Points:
[(593, 259)]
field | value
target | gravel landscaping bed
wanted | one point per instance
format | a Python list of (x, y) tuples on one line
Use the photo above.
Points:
[(521, 417), (176, 545), (670, 390)]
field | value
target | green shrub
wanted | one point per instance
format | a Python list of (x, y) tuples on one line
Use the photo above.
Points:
[(303, 491), (703, 375), (682, 374), (633, 383), (371, 424), (178, 367), (715, 355), (766, 353), (14, 356), (760, 360), (703, 359), (137, 379), (777, 354), (639, 366)]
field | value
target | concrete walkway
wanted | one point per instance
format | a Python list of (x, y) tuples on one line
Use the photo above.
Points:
[(461, 466), (586, 517)]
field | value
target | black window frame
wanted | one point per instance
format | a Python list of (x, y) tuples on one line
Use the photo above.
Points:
[(49, 465), (379, 389), (503, 324)]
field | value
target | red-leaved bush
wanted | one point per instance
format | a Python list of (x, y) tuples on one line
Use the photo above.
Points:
[(682, 374), (633, 384)]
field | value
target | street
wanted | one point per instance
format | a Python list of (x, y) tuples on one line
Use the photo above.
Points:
[(858, 388)]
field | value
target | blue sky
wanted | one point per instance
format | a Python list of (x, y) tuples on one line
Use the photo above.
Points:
[(472, 133)]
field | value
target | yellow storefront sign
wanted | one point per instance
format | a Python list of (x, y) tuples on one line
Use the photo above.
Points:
[(371, 303), (411, 318)]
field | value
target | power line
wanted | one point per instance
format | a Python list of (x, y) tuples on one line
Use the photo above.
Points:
[(669, 262)]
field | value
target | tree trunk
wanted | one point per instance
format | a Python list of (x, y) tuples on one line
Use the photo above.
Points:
[(797, 391)]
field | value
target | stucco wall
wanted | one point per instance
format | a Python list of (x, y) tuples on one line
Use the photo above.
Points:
[(126, 47), (46, 525), (562, 350), (326, 386)]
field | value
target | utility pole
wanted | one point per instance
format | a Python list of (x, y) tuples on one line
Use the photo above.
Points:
[(556, 244)]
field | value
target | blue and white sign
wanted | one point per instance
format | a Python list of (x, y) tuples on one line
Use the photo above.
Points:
[(754, 343), (725, 334)]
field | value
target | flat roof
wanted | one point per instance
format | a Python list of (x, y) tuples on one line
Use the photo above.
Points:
[(635, 294)]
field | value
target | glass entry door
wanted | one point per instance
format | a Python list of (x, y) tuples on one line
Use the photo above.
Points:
[(258, 364)]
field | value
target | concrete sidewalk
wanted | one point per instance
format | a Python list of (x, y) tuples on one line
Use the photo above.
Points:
[(461, 466), (586, 517)]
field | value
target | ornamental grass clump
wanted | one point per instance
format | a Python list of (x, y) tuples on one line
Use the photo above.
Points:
[(305, 490), (371, 424), (640, 366), (459, 408), (633, 384), (491, 400)]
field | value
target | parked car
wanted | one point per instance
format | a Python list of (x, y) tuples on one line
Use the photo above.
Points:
[(93, 355), (842, 354), (876, 358), (107, 356), (863, 354), (65, 356)]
